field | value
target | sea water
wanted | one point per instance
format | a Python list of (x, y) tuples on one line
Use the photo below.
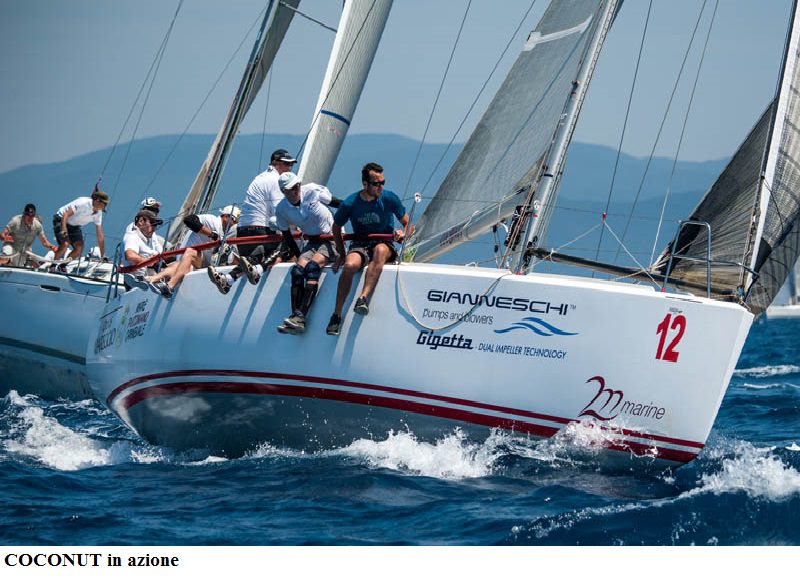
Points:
[(72, 474)]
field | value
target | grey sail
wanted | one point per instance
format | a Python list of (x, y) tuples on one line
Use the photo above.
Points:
[(503, 157), (276, 21), (754, 206)]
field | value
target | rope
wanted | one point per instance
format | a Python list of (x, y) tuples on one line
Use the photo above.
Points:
[(664, 119), (480, 92), (138, 95), (625, 123), (203, 103), (159, 57), (683, 131), (438, 95)]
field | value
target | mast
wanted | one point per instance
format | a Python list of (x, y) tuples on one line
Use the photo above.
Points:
[(539, 199), (357, 37), (276, 21)]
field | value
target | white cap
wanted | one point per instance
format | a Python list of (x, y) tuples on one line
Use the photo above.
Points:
[(287, 181), (150, 202), (231, 210)]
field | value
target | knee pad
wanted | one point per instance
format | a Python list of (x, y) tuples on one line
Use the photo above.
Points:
[(298, 275), (312, 271)]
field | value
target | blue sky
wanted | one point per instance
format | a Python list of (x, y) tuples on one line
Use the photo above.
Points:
[(72, 68)]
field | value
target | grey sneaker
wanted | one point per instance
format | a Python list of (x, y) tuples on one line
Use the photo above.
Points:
[(362, 306), (334, 324), (135, 281), (163, 289), (247, 267), (219, 280), (297, 321), (285, 329)]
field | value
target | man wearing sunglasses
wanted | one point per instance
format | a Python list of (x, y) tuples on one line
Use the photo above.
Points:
[(142, 243), (19, 235), (369, 211), (68, 220)]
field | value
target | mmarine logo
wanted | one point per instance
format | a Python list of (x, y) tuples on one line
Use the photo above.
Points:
[(500, 302), (607, 404), (436, 341)]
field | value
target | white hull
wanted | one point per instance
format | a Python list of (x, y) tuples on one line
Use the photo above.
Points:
[(783, 312), (204, 370), (47, 319)]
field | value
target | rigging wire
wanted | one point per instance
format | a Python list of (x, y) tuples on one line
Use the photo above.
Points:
[(159, 59), (156, 59), (625, 123), (683, 130), (478, 95), (664, 117), (438, 95), (205, 99)]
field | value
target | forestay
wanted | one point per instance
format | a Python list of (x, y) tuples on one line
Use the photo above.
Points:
[(503, 157)]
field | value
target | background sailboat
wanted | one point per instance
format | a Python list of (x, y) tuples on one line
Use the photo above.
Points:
[(792, 306)]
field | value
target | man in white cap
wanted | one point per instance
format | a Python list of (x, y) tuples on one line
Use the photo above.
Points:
[(304, 208), (147, 204), (258, 217), (205, 228)]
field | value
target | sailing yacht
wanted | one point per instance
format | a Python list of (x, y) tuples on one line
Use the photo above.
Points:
[(646, 362), (792, 306)]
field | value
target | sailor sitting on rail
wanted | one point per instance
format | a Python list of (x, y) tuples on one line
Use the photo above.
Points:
[(142, 243), (204, 228)]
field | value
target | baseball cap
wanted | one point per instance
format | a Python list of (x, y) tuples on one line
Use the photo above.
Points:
[(287, 181), (30, 209), (150, 202), (150, 216), (282, 155), (231, 210), (101, 196)]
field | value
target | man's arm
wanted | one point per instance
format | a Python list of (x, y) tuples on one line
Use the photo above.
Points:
[(101, 241), (290, 243), (408, 229), (43, 239), (67, 214)]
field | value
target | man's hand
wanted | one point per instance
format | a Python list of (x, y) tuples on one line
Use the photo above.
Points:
[(399, 235), (337, 264)]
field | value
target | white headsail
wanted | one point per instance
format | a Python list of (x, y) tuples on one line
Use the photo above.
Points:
[(360, 30), (276, 21)]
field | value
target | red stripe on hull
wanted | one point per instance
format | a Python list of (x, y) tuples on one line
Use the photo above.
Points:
[(266, 389)]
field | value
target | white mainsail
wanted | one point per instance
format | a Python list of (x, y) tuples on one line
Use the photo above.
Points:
[(276, 21), (515, 133), (360, 29)]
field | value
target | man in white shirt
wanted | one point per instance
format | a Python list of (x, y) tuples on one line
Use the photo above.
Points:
[(68, 220), (258, 217), (142, 243), (204, 228), (304, 207)]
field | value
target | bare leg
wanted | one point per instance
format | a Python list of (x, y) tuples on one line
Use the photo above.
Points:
[(352, 264), (380, 255), (77, 250)]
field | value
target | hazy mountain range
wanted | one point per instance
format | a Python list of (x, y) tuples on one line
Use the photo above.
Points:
[(583, 195)]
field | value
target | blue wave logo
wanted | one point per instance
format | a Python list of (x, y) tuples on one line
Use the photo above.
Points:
[(537, 326)]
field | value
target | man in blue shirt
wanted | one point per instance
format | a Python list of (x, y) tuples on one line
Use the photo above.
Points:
[(370, 211)]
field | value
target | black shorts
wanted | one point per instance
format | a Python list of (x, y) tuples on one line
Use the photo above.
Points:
[(366, 249), (74, 232)]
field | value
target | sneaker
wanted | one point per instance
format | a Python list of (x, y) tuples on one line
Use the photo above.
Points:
[(135, 281), (297, 321), (362, 306), (289, 330), (163, 289), (219, 280), (334, 324), (250, 270)]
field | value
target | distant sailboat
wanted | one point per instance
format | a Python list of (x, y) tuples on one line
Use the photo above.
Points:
[(792, 306), (448, 347)]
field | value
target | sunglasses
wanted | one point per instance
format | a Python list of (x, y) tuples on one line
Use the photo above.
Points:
[(376, 183)]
